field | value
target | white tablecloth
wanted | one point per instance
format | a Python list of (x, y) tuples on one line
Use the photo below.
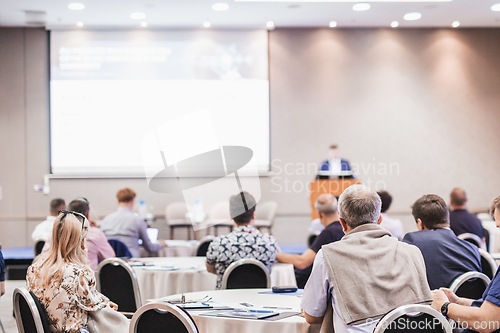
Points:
[(294, 324), (178, 275)]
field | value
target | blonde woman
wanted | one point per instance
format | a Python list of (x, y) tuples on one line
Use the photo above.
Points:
[(62, 279)]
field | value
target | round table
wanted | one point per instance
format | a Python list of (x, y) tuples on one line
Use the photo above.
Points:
[(232, 298), (169, 276)]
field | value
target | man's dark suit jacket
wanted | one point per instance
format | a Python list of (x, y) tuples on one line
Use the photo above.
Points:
[(461, 222), (445, 255)]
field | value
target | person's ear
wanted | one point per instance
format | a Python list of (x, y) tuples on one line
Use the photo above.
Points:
[(320, 215), (83, 244), (253, 215), (344, 225), (420, 224), (380, 219)]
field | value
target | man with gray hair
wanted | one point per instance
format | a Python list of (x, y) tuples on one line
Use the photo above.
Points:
[(366, 274), (326, 205)]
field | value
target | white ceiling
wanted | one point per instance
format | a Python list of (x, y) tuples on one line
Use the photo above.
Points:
[(192, 13)]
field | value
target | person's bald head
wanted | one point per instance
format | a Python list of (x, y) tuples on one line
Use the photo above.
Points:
[(458, 198), (326, 204)]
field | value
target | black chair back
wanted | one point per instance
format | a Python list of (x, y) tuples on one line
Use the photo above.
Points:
[(42, 312), (312, 237), (246, 274), (121, 250), (202, 246), (413, 318), (27, 315), (162, 317), (470, 285), (488, 264), (116, 280), (38, 247)]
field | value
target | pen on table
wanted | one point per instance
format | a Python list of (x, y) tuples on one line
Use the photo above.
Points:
[(246, 304), (277, 307), (260, 311)]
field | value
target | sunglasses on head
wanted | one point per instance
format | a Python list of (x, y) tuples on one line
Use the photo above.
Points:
[(78, 216)]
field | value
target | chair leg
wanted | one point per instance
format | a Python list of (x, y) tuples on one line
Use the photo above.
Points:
[(1, 326)]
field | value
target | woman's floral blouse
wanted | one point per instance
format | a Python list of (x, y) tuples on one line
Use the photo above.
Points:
[(68, 300)]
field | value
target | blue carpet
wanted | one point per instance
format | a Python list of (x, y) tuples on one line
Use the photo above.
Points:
[(293, 248), (18, 253)]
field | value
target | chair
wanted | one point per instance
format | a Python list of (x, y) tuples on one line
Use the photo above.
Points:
[(265, 215), (30, 314), (175, 216), (201, 247), (473, 239), (246, 274), (488, 264), (116, 279), (121, 250), (312, 237), (470, 285), (162, 317), (413, 318), (38, 247), (219, 217)]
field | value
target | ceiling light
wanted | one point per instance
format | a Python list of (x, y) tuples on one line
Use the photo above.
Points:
[(496, 7), (412, 16), (394, 24), (137, 16), (359, 7), (332, 24), (76, 6), (455, 24), (220, 7), (270, 24), (144, 24), (79, 24), (207, 24)]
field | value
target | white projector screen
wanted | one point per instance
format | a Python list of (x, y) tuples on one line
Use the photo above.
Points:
[(108, 89)]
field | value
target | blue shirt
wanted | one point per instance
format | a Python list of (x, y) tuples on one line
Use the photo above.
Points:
[(332, 233), (2, 268), (461, 222), (491, 294)]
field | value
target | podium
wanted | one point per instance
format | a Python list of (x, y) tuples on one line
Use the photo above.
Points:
[(333, 186)]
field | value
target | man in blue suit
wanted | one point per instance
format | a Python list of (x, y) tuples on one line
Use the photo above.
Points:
[(335, 164), (446, 256)]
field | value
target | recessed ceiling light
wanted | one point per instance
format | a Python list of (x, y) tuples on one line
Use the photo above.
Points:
[(455, 24), (332, 24), (79, 24), (138, 16), (359, 7), (394, 24), (207, 24), (144, 24), (496, 7), (412, 16), (270, 24), (220, 7), (76, 6)]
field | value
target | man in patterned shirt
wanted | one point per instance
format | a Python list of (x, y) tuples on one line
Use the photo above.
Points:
[(244, 242)]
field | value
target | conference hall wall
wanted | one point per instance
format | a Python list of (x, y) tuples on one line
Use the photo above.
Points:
[(415, 110)]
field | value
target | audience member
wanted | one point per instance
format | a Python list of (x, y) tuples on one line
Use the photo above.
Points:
[(244, 242), (480, 315), (98, 247), (326, 205), (446, 256), (394, 226), (127, 227), (344, 270), (461, 221), (2, 275), (61, 279), (316, 226), (44, 230)]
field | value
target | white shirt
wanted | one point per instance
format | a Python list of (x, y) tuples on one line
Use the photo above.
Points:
[(43, 231), (334, 166), (394, 226), (316, 294), (316, 226)]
